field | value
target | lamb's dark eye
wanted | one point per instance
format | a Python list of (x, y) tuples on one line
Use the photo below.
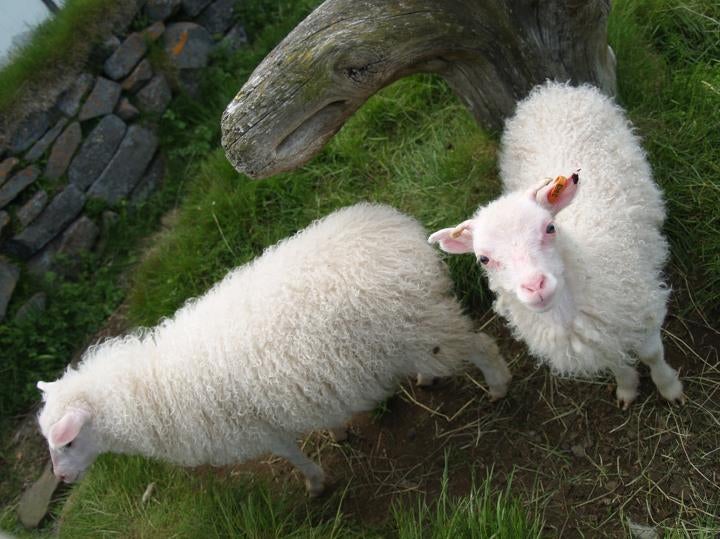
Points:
[(483, 259), (68, 445), (550, 229)]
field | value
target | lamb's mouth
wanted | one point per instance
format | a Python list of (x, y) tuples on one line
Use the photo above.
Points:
[(542, 305)]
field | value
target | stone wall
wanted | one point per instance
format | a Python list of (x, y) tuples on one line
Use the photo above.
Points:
[(99, 140)]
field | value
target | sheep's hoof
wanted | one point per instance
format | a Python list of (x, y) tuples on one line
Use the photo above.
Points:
[(497, 392), (625, 397), (680, 401), (315, 487), (673, 392)]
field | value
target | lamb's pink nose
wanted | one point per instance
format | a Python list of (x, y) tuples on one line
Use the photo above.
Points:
[(536, 284)]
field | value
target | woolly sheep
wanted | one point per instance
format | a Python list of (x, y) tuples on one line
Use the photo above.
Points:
[(321, 326), (581, 286)]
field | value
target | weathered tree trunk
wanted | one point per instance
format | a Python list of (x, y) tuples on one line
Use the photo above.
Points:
[(491, 52)]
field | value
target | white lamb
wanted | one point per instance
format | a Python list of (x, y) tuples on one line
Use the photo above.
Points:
[(321, 326), (583, 286)]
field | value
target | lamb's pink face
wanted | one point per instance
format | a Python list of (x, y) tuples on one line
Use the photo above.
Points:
[(513, 239), (70, 440)]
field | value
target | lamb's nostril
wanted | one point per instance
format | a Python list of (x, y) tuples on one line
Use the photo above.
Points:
[(535, 285)]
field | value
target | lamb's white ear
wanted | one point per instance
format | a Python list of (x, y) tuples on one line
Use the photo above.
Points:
[(456, 240), (67, 429), (554, 195)]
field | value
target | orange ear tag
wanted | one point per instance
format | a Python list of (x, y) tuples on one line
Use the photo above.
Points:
[(557, 189)]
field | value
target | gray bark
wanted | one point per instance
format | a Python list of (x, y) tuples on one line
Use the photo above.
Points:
[(491, 53)]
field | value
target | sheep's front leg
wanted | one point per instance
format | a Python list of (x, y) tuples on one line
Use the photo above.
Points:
[(314, 475), (492, 364), (627, 385), (666, 379)]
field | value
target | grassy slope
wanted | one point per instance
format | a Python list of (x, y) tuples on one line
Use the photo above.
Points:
[(669, 79), (413, 146), (54, 47)]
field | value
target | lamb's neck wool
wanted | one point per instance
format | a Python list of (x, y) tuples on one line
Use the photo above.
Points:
[(609, 236)]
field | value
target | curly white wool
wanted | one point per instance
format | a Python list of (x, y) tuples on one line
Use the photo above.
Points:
[(610, 237), (323, 325)]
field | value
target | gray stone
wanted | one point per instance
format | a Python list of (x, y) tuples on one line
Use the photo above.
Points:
[(127, 165), (42, 262), (6, 167), (35, 501), (235, 39), (218, 16), (79, 237), (4, 220), (61, 211), (62, 151), (155, 95), (28, 131), (8, 279), (41, 146), (102, 99), (96, 151), (126, 111), (159, 10), (153, 177), (32, 208), (140, 75), (126, 56), (154, 31), (35, 305), (69, 102), (15, 185), (193, 7), (187, 45), (109, 46)]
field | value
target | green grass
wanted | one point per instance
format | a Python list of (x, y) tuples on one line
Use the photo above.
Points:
[(54, 45), (109, 502), (668, 73), (482, 512)]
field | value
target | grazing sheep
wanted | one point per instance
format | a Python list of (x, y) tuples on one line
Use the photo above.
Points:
[(581, 286), (321, 326)]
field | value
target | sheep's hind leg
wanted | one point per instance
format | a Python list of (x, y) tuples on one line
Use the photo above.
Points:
[(627, 385), (314, 475), (666, 379), (492, 364)]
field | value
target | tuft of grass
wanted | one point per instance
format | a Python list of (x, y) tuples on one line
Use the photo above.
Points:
[(668, 72), (55, 44), (181, 503), (482, 512)]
